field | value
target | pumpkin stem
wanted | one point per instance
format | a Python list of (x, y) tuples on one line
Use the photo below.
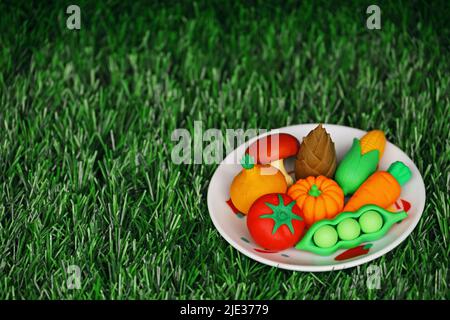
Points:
[(314, 191)]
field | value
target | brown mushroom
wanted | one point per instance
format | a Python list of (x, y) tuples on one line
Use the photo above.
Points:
[(273, 149)]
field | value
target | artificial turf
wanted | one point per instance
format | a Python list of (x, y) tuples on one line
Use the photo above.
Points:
[(86, 119)]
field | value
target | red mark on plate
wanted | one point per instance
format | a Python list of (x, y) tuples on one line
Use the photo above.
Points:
[(406, 205), (231, 205), (354, 252), (401, 204)]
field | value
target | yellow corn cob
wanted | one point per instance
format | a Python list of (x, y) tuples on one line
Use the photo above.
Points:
[(373, 140)]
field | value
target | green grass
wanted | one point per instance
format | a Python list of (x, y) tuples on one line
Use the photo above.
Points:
[(86, 116)]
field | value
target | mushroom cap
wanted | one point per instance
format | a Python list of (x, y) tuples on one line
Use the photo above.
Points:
[(273, 147)]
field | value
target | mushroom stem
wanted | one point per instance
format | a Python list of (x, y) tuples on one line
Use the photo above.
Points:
[(279, 164)]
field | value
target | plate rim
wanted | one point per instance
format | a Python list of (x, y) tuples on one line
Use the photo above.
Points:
[(320, 268)]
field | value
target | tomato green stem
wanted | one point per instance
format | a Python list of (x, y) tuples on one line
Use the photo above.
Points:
[(282, 215)]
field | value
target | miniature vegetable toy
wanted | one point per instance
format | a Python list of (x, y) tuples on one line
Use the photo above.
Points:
[(348, 229), (360, 161), (254, 181), (382, 188), (273, 149), (344, 232), (317, 155), (275, 222), (325, 237), (373, 140), (318, 198), (370, 221)]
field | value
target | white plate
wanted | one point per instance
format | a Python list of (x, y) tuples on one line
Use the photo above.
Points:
[(234, 229)]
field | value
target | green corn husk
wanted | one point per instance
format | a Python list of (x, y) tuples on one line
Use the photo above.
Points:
[(355, 168)]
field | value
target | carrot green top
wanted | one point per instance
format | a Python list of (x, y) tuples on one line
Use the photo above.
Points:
[(400, 172)]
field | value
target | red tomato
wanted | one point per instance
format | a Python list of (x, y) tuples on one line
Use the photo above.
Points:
[(275, 222)]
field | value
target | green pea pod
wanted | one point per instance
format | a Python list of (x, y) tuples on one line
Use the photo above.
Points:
[(355, 168), (389, 218)]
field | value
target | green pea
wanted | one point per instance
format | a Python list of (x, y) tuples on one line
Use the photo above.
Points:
[(325, 237), (370, 221), (348, 229)]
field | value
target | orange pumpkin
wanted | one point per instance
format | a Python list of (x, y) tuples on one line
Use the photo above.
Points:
[(318, 197)]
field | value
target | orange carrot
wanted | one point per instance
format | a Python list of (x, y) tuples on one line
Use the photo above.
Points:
[(382, 188)]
